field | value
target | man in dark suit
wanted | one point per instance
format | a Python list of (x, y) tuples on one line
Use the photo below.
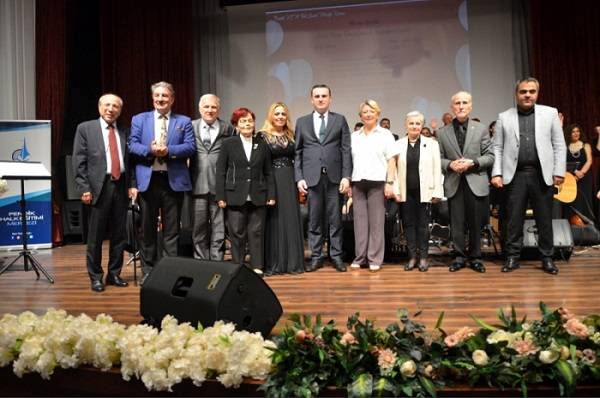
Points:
[(323, 169), (530, 158), (208, 232), (162, 142), (102, 177), (466, 154)]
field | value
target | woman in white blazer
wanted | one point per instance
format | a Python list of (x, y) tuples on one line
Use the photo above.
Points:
[(418, 183)]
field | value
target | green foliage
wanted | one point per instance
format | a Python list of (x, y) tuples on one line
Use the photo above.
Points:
[(404, 359)]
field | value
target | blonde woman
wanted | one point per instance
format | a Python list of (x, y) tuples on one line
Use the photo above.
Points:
[(418, 183), (284, 244), (372, 164)]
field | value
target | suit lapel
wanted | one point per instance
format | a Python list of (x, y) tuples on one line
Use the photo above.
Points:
[(99, 138), (515, 122), (329, 127), (171, 128), (452, 138), (468, 135)]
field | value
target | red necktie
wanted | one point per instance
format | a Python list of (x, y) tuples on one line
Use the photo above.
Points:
[(115, 164)]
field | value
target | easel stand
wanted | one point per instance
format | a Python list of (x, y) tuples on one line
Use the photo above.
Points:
[(25, 253)]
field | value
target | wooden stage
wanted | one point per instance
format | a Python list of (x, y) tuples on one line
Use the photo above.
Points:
[(333, 294)]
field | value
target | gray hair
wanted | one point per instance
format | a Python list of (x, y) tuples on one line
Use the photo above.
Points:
[(163, 84), (527, 80), (416, 114), (110, 94), (468, 94), (207, 96)]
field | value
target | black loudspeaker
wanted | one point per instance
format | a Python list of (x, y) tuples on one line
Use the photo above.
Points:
[(563, 240), (206, 291)]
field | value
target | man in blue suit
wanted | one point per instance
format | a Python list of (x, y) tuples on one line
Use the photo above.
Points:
[(161, 142)]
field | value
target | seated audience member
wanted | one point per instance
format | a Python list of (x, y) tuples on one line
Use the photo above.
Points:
[(245, 187), (426, 132), (358, 126)]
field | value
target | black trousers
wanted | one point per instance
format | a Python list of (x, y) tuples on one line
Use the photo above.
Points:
[(246, 223), (324, 213), (415, 218), (159, 196), (529, 185), (111, 210), (467, 209)]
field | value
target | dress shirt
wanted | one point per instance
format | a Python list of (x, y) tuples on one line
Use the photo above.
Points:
[(104, 128), (157, 130), (370, 154), (214, 130), (247, 143), (527, 151), (317, 122), (460, 130)]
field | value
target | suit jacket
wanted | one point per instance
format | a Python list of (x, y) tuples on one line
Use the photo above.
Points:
[(237, 177), (334, 153), (180, 142), (549, 142), (477, 147), (430, 169), (89, 158), (203, 166)]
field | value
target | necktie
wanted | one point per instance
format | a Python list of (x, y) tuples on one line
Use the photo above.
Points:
[(115, 164), (206, 136), (163, 135), (322, 128)]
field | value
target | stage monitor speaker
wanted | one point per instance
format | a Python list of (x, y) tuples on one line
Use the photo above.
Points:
[(563, 240), (206, 291)]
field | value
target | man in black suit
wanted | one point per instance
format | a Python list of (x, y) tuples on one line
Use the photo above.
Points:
[(323, 168), (208, 232), (103, 177)]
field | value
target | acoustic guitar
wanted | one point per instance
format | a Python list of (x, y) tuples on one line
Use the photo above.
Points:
[(567, 191)]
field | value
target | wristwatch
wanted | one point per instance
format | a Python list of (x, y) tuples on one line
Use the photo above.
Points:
[(390, 182)]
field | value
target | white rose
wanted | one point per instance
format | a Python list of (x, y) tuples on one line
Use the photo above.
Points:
[(480, 357), (548, 356), (408, 368)]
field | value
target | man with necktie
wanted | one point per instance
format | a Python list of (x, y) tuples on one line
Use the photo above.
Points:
[(162, 142), (104, 180), (208, 234), (323, 169)]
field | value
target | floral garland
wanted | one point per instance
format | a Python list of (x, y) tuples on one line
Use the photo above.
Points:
[(306, 357), (160, 359), (403, 359)]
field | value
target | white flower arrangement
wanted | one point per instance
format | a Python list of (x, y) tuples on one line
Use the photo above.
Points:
[(160, 359)]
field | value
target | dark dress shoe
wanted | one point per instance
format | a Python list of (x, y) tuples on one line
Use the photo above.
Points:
[(97, 286), (548, 266), (411, 264), (339, 265), (456, 266), (116, 281), (510, 265), (423, 265), (477, 266)]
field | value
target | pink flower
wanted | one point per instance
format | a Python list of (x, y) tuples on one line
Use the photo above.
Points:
[(451, 340), (575, 328), (589, 356), (565, 314), (347, 338), (525, 347), (386, 359)]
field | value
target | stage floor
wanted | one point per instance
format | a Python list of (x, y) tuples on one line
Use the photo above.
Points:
[(333, 294)]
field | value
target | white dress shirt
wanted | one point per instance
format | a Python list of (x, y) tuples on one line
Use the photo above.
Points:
[(317, 122), (214, 130), (370, 154), (157, 130)]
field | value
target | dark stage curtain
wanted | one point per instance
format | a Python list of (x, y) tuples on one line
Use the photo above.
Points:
[(565, 58), (143, 42), (51, 70)]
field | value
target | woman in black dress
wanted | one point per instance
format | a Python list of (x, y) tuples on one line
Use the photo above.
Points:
[(284, 244), (580, 154)]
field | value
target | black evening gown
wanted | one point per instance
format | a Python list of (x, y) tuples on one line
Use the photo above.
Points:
[(585, 195), (284, 243)]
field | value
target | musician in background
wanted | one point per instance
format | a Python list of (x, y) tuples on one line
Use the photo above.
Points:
[(530, 158)]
